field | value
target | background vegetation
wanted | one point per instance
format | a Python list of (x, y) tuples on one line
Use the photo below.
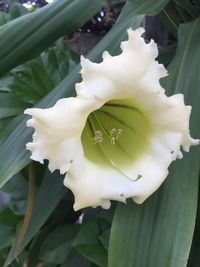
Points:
[(38, 226)]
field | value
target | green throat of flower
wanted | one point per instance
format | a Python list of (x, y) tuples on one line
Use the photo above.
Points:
[(117, 134)]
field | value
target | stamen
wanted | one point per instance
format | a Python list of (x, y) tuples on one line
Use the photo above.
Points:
[(98, 138), (115, 132), (119, 132), (112, 140), (112, 131)]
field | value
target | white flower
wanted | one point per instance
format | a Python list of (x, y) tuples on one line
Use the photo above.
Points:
[(117, 138)]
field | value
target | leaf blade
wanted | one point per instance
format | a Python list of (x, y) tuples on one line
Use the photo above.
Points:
[(27, 36)]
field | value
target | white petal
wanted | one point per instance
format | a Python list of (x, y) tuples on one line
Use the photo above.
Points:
[(92, 185), (58, 131), (126, 73)]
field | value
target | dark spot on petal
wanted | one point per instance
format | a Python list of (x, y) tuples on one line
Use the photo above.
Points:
[(172, 152), (121, 195), (139, 176)]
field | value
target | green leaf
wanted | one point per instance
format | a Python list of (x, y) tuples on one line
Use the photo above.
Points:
[(7, 127), (8, 218), (5, 82), (10, 106), (27, 36), (146, 7), (9, 101), (9, 112), (159, 232), (17, 10), (88, 245), (8, 223), (194, 258), (167, 54), (17, 189), (15, 160), (75, 259), (50, 193), (104, 239), (137, 9), (189, 8), (171, 18), (4, 18), (6, 235), (58, 244), (33, 80)]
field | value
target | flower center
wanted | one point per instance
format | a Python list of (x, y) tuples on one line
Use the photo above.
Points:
[(116, 134)]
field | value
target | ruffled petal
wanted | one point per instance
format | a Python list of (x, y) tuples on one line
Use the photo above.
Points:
[(130, 72), (117, 138), (57, 136), (138, 181)]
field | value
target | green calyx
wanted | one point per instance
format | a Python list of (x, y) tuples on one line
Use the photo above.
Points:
[(116, 134)]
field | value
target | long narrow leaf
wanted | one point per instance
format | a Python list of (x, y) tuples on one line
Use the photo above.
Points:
[(25, 37), (50, 193), (194, 259)]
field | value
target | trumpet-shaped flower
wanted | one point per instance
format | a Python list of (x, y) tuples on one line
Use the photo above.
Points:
[(116, 139)]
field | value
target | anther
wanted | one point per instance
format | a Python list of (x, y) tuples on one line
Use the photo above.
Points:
[(112, 131), (114, 134), (98, 138), (112, 140), (119, 132)]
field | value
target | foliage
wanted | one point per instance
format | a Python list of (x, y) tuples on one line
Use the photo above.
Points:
[(38, 225)]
